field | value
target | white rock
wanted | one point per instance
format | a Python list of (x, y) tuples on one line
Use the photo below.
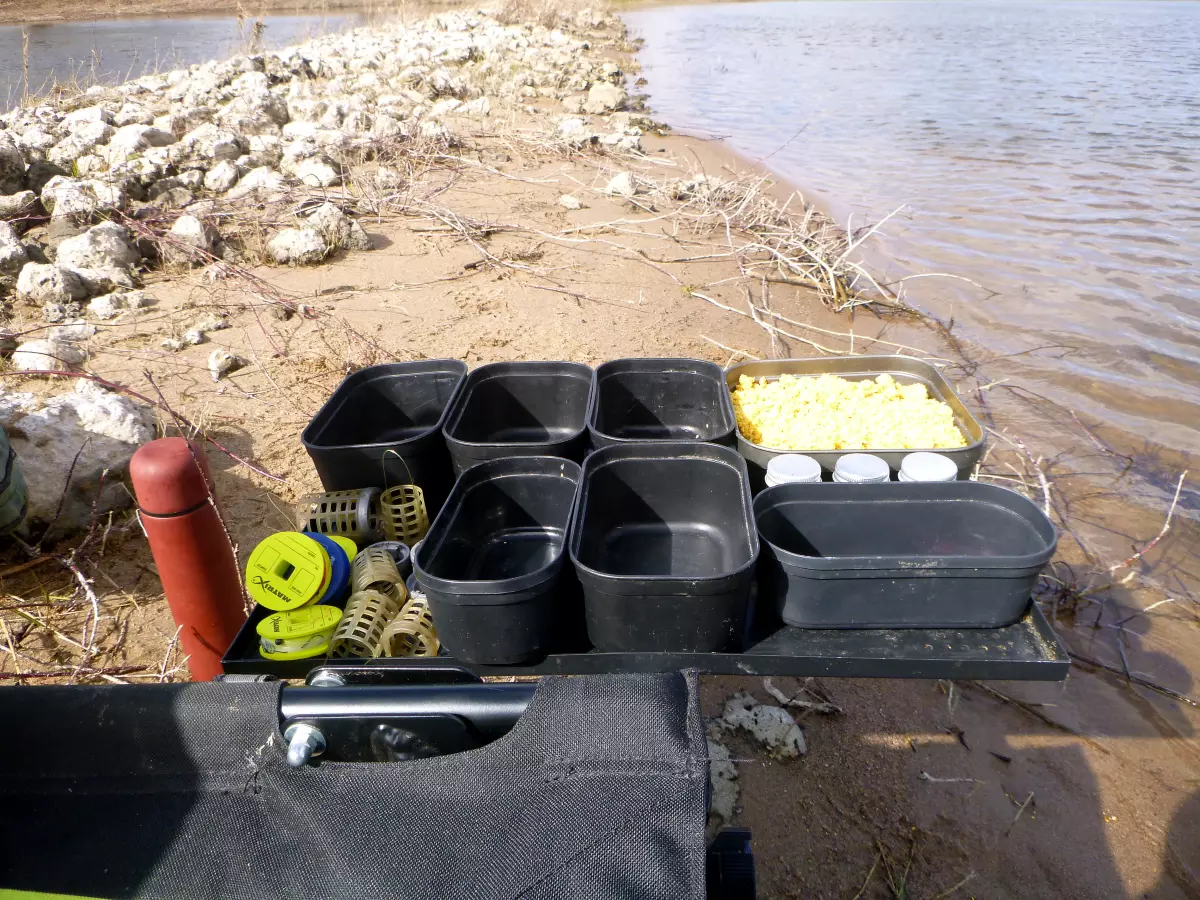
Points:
[(36, 139), (47, 354), (109, 306), (102, 247), (265, 147), (20, 205), (222, 362), (330, 138), (103, 281), (199, 332), (12, 165), (13, 255), (191, 240), (133, 139), (133, 114), (481, 106), (212, 323), (771, 726), (63, 196), (299, 131), (251, 83), (90, 164), (433, 130), (173, 344), (88, 116), (182, 120), (211, 142), (103, 429), (110, 414), (443, 84), (221, 177), (40, 283), (170, 193), (358, 122), (40, 173), (138, 169), (444, 107), (264, 181), (623, 185), (621, 140), (566, 201), (577, 131), (192, 179), (59, 312), (603, 97), (165, 157), (339, 230), (73, 332), (80, 141), (315, 172), (386, 127), (723, 780), (297, 247)]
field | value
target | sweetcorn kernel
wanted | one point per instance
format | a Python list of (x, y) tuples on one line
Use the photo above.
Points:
[(825, 412)]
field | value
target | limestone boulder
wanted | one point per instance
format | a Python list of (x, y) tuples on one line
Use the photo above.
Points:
[(75, 449)]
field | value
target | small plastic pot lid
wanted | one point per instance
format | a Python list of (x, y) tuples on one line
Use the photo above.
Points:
[(862, 467), (399, 552), (929, 467), (792, 468)]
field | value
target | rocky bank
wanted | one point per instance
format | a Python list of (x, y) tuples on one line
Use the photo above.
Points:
[(167, 172)]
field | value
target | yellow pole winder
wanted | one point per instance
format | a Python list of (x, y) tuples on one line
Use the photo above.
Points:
[(287, 570), (346, 544), (298, 634)]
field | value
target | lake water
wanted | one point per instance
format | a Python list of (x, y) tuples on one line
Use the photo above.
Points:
[(112, 49), (1048, 151)]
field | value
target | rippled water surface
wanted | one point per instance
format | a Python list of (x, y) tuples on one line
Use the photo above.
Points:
[(111, 49), (1049, 151)]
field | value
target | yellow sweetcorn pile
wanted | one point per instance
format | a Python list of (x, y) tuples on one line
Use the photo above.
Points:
[(825, 412)]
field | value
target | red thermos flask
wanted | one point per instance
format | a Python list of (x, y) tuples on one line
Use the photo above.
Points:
[(196, 564)]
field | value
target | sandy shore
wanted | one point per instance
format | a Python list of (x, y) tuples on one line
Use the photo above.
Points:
[(915, 789)]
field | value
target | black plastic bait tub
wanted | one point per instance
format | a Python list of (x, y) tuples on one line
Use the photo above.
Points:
[(905, 369), (958, 554), (663, 542), (492, 562), (382, 427), (520, 409), (660, 400)]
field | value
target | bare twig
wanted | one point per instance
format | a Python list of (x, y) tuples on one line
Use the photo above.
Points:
[(163, 674), (63, 671), (1136, 679), (25, 566), (821, 706), (1161, 534), (1142, 612), (925, 776), (1028, 800), (867, 880), (952, 890)]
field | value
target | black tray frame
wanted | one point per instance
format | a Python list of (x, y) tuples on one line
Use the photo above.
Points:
[(1027, 650)]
